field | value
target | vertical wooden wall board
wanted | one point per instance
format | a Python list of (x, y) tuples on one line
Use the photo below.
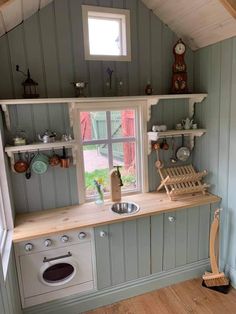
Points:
[(193, 235), (167, 58), (73, 186), (231, 213), (204, 223), (19, 192), (6, 86), (213, 118), (117, 253), (156, 54), (34, 52), (133, 66), (130, 250), (64, 45), (144, 46), (102, 258), (169, 242), (224, 138), (156, 243), (49, 50), (62, 187), (181, 238), (80, 66), (17, 53), (143, 238)]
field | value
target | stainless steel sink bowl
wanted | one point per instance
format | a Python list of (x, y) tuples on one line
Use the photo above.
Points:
[(125, 208)]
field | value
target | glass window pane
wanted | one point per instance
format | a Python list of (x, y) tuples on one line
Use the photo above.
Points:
[(96, 167), (124, 155), (122, 123), (93, 125), (104, 36)]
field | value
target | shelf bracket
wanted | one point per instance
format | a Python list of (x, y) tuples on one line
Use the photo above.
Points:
[(6, 115), (192, 102), (150, 103)]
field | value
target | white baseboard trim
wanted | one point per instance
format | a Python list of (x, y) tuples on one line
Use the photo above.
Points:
[(78, 304)]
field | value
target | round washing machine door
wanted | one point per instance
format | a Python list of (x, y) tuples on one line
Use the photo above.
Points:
[(58, 272)]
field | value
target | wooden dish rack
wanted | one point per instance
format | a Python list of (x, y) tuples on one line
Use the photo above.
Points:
[(181, 180)]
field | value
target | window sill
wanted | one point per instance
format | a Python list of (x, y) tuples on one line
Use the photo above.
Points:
[(6, 253)]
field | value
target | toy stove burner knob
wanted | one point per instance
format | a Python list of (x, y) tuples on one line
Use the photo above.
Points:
[(82, 235), (64, 239), (47, 242), (29, 247)]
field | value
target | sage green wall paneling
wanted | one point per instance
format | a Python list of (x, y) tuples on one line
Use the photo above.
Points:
[(143, 238), (181, 236), (193, 234), (103, 262), (130, 250), (117, 241), (9, 291), (157, 243), (169, 242), (204, 231), (217, 112)]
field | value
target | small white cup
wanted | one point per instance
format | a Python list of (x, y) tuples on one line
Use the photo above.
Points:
[(194, 126), (178, 126)]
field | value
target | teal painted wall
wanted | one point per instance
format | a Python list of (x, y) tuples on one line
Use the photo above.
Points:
[(50, 43), (215, 73)]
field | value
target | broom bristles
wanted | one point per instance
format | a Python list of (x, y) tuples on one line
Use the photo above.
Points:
[(215, 280)]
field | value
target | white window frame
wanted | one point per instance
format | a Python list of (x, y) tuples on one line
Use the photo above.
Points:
[(5, 212), (141, 140), (112, 14)]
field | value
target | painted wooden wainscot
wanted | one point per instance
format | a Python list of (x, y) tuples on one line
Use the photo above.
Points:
[(163, 243)]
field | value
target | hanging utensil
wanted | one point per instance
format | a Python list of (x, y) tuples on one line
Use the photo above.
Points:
[(21, 165), (183, 152), (159, 164), (172, 158), (165, 145), (55, 159), (28, 171), (65, 161)]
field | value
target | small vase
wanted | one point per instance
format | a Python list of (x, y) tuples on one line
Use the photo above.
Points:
[(100, 197)]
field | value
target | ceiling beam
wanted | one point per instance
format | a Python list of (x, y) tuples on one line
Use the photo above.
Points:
[(230, 6)]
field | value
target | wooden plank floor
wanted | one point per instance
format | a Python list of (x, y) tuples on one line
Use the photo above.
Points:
[(186, 297)]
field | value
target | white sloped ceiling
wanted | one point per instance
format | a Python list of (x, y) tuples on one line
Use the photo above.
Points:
[(199, 22), (13, 12)]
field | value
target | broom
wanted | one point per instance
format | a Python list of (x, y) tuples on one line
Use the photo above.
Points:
[(215, 280)]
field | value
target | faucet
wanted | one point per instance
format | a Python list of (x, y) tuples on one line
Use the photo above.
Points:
[(116, 184)]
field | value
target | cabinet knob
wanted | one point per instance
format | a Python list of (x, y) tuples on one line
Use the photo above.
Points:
[(82, 235), (103, 234), (171, 219), (29, 247), (64, 239), (47, 242)]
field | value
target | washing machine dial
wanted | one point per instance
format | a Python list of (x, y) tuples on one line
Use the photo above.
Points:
[(82, 235), (64, 239), (28, 247), (47, 242)]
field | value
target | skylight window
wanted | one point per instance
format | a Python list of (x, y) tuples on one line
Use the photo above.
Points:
[(106, 33)]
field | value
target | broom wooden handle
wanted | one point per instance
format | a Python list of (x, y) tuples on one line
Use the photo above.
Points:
[(213, 239)]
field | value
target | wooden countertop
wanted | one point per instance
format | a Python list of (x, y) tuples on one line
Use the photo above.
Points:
[(44, 223)]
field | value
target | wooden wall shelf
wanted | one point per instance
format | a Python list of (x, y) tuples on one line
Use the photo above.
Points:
[(155, 136), (12, 150)]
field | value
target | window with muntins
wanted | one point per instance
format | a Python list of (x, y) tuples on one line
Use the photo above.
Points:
[(110, 138)]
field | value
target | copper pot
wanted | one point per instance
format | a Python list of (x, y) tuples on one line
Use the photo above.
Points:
[(54, 160), (21, 165), (65, 161)]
